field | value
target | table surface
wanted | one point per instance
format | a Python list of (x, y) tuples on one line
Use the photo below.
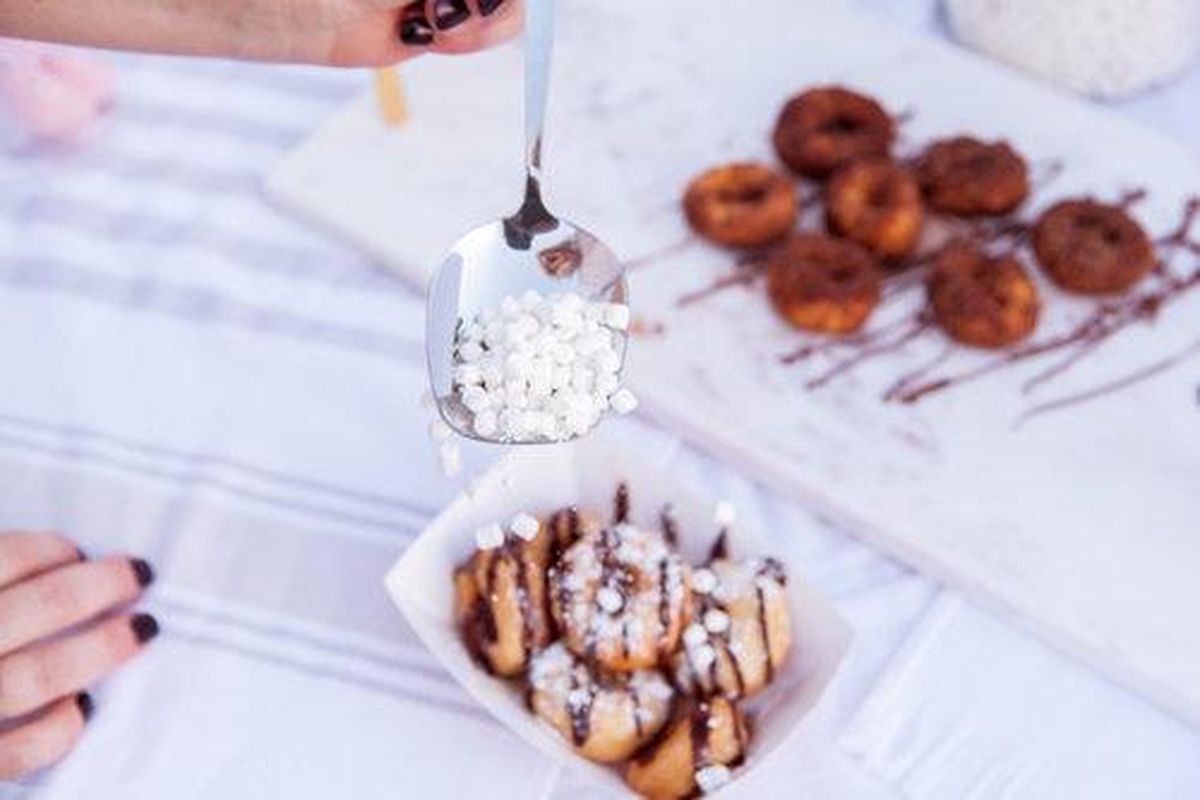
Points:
[(195, 377)]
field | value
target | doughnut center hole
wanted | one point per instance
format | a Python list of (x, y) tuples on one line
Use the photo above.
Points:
[(841, 124), (841, 275), (745, 195), (1098, 226)]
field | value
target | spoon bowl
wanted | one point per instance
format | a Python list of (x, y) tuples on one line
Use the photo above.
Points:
[(531, 250), (483, 268)]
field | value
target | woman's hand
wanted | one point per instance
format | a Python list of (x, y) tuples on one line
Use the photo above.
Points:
[(339, 32), (60, 632)]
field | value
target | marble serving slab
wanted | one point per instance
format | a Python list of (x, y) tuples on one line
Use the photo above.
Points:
[(1084, 522)]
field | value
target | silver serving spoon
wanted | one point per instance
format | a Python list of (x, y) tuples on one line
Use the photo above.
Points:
[(532, 249)]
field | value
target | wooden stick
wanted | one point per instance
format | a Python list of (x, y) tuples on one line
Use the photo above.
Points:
[(389, 93)]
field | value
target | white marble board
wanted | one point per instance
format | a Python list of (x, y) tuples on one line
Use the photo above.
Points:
[(1085, 523)]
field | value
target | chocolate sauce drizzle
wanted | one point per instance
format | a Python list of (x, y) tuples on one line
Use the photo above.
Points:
[(1007, 235), (621, 504)]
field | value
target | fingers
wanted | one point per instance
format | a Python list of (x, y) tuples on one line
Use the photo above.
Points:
[(44, 740), (59, 599), (25, 554), (493, 22), (41, 673), (427, 26)]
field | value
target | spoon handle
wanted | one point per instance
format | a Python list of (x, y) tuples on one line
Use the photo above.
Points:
[(539, 45)]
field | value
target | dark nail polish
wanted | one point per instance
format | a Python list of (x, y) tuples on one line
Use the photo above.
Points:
[(80, 555), (142, 571), (449, 13), (415, 29), (145, 627), (86, 706), (486, 7)]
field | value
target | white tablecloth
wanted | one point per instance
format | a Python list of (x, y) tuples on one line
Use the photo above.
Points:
[(192, 376)]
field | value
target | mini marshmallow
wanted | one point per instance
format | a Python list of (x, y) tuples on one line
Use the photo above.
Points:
[(702, 657), (486, 423), (725, 514), (450, 457), (704, 581), (712, 777), (623, 401), (524, 526), (489, 537), (695, 635), (541, 367), (610, 600), (716, 621)]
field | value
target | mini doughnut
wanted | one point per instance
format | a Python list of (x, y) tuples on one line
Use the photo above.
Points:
[(1089, 247), (501, 603), (605, 716), (741, 630), (741, 205), (877, 203), (618, 596), (980, 300), (822, 284), (829, 126), (967, 177), (695, 755)]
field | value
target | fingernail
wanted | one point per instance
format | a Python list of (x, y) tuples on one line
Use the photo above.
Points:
[(449, 13), (80, 555), (145, 627), (486, 7), (86, 706), (142, 571), (414, 27)]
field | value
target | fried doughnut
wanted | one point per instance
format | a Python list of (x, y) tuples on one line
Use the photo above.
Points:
[(605, 716), (823, 284), (877, 203), (980, 300), (618, 596), (1088, 247), (829, 126), (695, 755), (967, 177), (741, 205), (500, 603), (741, 633)]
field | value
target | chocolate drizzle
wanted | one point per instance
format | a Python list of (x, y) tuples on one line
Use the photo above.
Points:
[(700, 732), (581, 713), (720, 548), (669, 527), (621, 504), (1006, 235)]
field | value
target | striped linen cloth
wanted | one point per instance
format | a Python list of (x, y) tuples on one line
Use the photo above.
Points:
[(192, 376)]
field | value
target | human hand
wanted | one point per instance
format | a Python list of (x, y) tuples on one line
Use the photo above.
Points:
[(337, 32), (60, 632)]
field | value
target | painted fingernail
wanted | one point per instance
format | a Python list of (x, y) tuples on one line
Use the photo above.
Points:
[(415, 29), (449, 13), (486, 7), (80, 555), (86, 706), (142, 571), (145, 627)]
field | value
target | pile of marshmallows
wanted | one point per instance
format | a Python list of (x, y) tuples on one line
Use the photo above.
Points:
[(541, 368)]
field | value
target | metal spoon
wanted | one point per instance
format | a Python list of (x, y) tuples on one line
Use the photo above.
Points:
[(532, 249)]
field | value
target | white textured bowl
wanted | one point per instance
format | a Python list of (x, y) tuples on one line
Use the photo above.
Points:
[(538, 480)]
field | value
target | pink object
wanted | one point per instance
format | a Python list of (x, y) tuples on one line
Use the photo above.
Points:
[(50, 92)]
